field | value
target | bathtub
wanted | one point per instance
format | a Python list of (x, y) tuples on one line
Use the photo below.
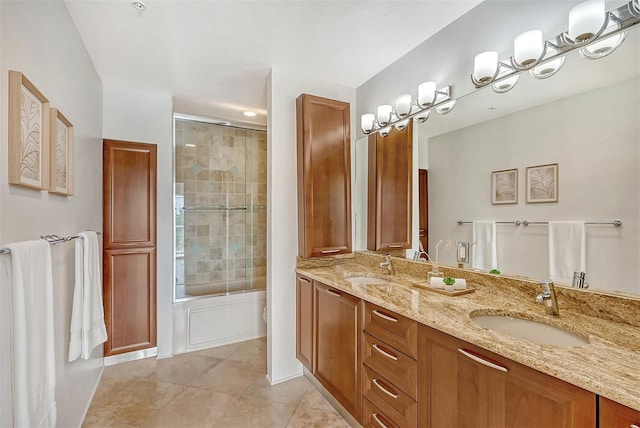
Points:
[(219, 288)]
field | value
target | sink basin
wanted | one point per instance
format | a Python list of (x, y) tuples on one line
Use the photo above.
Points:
[(360, 279), (530, 330)]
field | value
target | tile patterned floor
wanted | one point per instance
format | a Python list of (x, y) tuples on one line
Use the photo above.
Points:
[(218, 387)]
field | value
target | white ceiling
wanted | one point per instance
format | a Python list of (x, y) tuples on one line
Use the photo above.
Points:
[(213, 57)]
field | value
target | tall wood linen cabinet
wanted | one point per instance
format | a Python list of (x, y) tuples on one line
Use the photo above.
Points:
[(324, 176), (129, 196)]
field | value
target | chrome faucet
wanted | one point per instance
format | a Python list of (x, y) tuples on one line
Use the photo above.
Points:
[(548, 298), (388, 264)]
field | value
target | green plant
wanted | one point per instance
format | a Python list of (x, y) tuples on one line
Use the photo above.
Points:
[(495, 271), (449, 281)]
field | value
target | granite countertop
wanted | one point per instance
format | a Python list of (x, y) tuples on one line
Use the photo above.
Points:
[(608, 366)]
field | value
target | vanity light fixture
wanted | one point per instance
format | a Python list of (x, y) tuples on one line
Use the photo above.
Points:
[(405, 109), (592, 30), (384, 115), (485, 68), (528, 49), (403, 106), (586, 20)]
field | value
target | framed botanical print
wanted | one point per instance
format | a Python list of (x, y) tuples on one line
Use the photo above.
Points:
[(28, 134), (542, 183), (61, 154), (504, 187)]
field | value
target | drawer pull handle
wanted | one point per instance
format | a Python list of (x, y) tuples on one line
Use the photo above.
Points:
[(396, 245), (378, 421), (304, 279), (383, 389), (333, 293), (383, 316), (385, 353), (481, 360), (329, 251), (634, 426)]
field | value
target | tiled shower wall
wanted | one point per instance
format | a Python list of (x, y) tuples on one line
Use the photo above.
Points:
[(222, 173)]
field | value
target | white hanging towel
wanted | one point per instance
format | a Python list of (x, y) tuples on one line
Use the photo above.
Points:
[(87, 314), (33, 363), (567, 250), (485, 251)]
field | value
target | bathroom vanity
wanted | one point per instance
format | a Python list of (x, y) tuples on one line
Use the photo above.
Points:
[(412, 357)]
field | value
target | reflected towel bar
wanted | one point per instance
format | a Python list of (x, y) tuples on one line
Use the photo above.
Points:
[(616, 223), (51, 239), (516, 222)]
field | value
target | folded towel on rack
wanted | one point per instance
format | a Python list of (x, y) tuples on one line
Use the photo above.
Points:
[(87, 314), (33, 374), (484, 253), (567, 250)]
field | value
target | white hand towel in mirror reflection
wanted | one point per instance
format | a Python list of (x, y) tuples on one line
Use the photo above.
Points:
[(567, 250), (484, 253)]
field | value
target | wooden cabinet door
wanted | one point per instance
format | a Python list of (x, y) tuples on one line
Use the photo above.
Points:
[(390, 190), (337, 345), (471, 387), (615, 415), (129, 197), (324, 176), (423, 203), (304, 321)]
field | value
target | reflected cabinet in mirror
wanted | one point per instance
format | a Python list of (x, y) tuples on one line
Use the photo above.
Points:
[(582, 126)]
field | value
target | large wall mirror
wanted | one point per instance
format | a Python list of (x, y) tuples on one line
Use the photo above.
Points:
[(585, 119)]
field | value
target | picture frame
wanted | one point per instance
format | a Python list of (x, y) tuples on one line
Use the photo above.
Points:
[(542, 183), (61, 154), (28, 161), (504, 187)]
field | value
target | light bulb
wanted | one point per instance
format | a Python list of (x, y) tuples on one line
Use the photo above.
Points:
[(403, 105), (485, 66), (384, 114), (426, 94), (528, 47), (366, 122), (586, 19)]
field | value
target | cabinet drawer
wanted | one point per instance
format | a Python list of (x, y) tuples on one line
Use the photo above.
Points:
[(396, 330), (396, 405), (372, 417), (393, 365)]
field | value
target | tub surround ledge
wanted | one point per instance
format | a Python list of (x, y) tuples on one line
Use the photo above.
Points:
[(607, 366)]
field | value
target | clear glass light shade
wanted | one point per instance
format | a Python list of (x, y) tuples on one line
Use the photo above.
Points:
[(446, 107), (528, 47), (385, 131), (366, 122), (384, 114), (426, 94), (548, 69), (586, 19), (506, 84), (485, 66), (403, 105), (400, 126), (422, 117)]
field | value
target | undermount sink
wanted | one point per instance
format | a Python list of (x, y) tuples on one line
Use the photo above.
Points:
[(530, 330), (361, 279)]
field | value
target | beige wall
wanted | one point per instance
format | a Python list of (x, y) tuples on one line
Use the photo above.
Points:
[(39, 39)]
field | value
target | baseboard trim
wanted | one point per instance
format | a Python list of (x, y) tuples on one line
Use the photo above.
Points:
[(130, 356)]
